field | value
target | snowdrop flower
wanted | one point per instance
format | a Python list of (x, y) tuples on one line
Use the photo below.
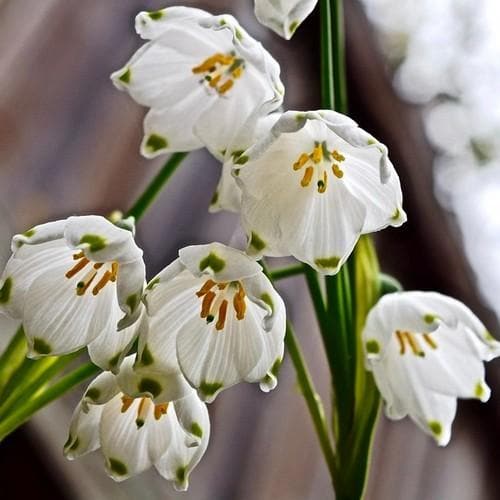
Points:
[(201, 75), (426, 350), (283, 16), (73, 282), (137, 425), (313, 186), (214, 313), (227, 195)]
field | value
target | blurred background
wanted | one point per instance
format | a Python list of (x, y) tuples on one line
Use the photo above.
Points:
[(423, 78)]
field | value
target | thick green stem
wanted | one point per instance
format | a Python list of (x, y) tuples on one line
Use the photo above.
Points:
[(38, 401), (12, 358), (327, 60), (338, 46), (155, 186)]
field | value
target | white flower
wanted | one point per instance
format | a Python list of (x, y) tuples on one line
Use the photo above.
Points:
[(72, 283), (201, 75), (138, 425), (313, 186), (227, 195), (214, 313), (283, 16), (426, 350)]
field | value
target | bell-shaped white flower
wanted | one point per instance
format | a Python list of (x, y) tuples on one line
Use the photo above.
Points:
[(227, 195), (201, 75), (73, 283), (426, 350), (283, 16), (138, 425), (313, 186), (215, 314)]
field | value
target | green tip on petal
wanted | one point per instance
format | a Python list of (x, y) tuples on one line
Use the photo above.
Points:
[(257, 242), (5, 291), (293, 26), (396, 215), (151, 386), (117, 466), (210, 388), (156, 142), (196, 430), (94, 241), (327, 262), (213, 261), (146, 356), (41, 347), (152, 283), (180, 474), (265, 297), (156, 15), (435, 427), (132, 302), (479, 390), (215, 198), (241, 160), (29, 233), (125, 76), (372, 346), (93, 393)]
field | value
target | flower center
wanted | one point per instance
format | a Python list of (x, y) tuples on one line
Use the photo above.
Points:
[(215, 299), (143, 407), (220, 71), (411, 339), (319, 162), (106, 272)]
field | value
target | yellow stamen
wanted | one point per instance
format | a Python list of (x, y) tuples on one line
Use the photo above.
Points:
[(401, 340), (82, 286), (239, 303), (237, 72), (209, 63), (337, 172), (317, 154), (226, 86), (430, 340), (221, 320), (77, 268), (101, 283), (415, 346), (114, 271), (337, 156), (214, 81), (322, 184), (126, 403), (207, 304), (98, 265), (207, 286), (303, 159), (160, 410), (306, 180)]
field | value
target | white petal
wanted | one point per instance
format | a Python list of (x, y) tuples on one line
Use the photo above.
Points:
[(127, 447), (101, 240), (27, 264), (101, 390), (58, 321), (39, 234), (221, 262), (179, 460), (110, 348), (83, 432), (129, 287), (283, 16), (192, 415), (214, 360), (150, 25), (227, 195)]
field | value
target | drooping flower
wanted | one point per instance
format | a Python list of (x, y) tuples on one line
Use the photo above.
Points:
[(214, 313), (201, 75), (283, 16), (313, 186), (73, 283), (138, 425), (426, 350)]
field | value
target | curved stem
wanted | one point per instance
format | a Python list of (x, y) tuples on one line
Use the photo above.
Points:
[(155, 186), (63, 385), (338, 46), (327, 62)]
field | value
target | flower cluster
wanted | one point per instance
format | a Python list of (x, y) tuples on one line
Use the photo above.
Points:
[(306, 184)]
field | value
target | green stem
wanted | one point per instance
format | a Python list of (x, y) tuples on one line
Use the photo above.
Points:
[(313, 401), (327, 60), (38, 401), (286, 272), (32, 378), (12, 357), (155, 186), (338, 46)]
